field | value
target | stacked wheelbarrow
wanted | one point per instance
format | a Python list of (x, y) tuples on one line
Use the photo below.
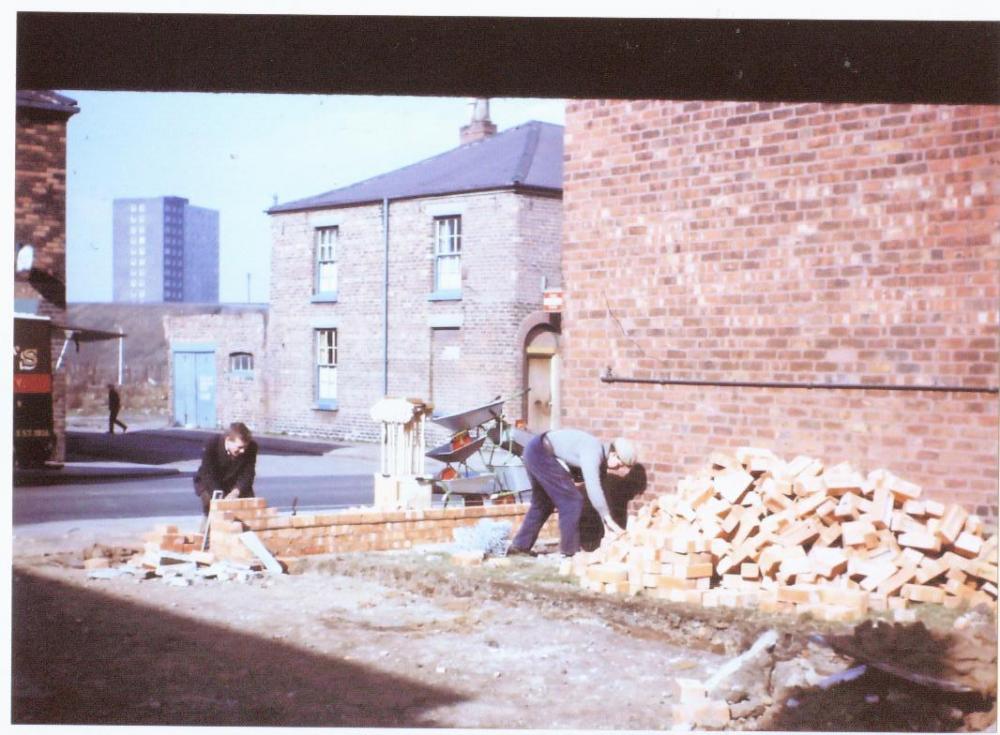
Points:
[(482, 458)]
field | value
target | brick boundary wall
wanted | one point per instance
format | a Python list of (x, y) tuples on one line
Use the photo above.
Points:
[(363, 529), (786, 242)]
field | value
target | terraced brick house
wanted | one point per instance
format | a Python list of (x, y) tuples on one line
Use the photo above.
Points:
[(426, 282)]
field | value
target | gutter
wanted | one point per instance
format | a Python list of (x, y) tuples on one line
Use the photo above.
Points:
[(609, 377), (385, 299)]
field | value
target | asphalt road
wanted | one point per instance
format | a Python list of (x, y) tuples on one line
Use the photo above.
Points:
[(174, 496)]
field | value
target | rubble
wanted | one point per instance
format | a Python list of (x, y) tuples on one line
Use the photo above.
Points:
[(752, 530), (168, 555)]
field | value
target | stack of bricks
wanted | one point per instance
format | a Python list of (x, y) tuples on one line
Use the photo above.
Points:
[(361, 529), (752, 530)]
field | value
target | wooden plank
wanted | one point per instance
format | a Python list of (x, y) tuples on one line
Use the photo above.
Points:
[(253, 542)]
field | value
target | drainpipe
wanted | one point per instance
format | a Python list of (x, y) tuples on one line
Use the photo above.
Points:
[(610, 377), (385, 299)]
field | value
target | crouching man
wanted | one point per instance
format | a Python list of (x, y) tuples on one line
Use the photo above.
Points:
[(552, 485), (229, 464)]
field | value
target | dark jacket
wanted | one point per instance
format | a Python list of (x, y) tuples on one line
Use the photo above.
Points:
[(114, 401), (220, 471)]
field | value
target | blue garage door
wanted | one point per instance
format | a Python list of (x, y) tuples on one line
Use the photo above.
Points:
[(194, 387)]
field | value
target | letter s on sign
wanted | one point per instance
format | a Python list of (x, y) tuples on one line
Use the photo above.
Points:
[(28, 359)]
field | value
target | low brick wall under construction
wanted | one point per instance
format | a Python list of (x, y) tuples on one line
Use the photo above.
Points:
[(361, 529)]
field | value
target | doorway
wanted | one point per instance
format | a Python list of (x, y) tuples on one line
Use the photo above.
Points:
[(194, 388), (541, 364)]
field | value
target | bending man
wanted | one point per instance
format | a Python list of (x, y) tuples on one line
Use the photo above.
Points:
[(229, 464), (552, 485)]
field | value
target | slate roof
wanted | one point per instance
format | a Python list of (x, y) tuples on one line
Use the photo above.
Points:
[(529, 156), (46, 100)]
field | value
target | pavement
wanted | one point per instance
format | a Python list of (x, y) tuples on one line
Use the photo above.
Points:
[(153, 448)]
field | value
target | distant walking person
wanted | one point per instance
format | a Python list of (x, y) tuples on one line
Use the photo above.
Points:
[(114, 406), (229, 464)]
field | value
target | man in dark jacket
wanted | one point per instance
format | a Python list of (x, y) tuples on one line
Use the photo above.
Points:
[(229, 464), (114, 406)]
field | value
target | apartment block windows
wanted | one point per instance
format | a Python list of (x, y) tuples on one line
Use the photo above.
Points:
[(448, 256), (326, 261), (326, 368)]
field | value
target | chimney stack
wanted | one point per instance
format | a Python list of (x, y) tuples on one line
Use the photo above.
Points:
[(480, 127)]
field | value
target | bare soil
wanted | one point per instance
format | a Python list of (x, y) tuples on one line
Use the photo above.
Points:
[(412, 640)]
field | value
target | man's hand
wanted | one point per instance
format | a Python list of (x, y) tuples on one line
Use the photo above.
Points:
[(613, 527)]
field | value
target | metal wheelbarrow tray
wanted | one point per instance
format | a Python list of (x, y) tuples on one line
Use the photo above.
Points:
[(465, 420), (445, 452)]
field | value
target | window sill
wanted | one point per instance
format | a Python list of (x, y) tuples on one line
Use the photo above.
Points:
[(236, 375), (445, 296), (326, 406), (324, 298)]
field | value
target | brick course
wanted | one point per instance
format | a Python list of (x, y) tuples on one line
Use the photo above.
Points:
[(362, 529), (787, 242)]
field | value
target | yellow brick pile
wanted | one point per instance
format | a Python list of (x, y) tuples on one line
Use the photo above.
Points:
[(752, 530)]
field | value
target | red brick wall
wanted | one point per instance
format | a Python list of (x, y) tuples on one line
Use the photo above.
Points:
[(787, 242), (40, 219), (362, 529)]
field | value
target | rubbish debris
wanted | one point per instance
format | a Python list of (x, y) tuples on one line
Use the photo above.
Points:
[(488, 537)]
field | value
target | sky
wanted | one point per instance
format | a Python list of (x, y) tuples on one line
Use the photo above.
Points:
[(235, 153)]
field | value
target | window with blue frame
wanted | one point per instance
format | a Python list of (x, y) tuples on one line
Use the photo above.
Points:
[(326, 262), (448, 257), (326, 368)]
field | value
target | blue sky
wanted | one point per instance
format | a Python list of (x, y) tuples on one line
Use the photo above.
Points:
[(235, 153)]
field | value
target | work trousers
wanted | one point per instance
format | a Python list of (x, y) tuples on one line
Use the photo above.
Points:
[(552, 487)]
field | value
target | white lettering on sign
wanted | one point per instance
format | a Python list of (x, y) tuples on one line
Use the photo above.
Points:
[(27, 359)]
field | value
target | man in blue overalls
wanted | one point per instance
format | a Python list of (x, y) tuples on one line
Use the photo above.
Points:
[(552, 485)]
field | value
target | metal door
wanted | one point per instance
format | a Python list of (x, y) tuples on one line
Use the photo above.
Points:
[(194, 389)]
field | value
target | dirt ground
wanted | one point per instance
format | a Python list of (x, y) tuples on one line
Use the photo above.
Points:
[(412, 640)]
